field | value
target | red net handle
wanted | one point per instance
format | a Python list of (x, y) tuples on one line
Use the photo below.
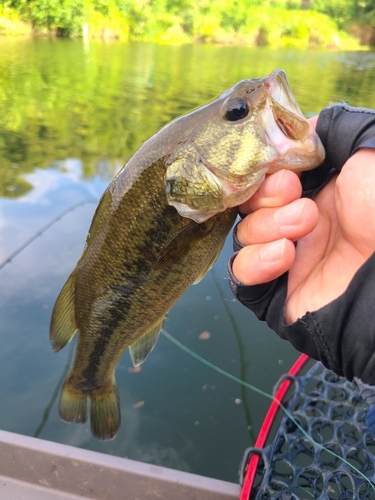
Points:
[(266, 426)]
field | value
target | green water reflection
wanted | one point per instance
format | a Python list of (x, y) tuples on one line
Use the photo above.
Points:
[(70, 116)]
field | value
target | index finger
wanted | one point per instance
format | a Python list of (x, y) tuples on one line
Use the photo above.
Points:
[(278, 189)]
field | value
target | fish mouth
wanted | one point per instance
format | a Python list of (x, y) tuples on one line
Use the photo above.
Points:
[(286, 127), (279, 90), (284, 107)]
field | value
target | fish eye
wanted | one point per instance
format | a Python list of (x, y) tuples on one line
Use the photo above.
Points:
[(236, 109)]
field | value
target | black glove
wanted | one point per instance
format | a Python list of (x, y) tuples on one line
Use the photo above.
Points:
[(341, 334)]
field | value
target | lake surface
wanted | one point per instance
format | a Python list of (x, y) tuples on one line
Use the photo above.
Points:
[(71, 114)]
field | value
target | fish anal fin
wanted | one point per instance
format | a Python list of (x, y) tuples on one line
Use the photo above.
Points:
[(210, 264), (144, 345), (63, 323), (182, 244), (73, 404), (105, 414)]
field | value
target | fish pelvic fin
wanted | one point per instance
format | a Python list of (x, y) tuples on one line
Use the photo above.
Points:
[(63, 323), (73, 404), (143, 346), (105, 413)]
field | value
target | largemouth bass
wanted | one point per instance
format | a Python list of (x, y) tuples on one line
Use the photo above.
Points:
[(159, 227)]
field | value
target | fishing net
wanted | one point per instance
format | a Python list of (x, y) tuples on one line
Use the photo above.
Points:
[(332, 412)]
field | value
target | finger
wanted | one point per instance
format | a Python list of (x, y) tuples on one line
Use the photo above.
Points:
[(292, 221), (313, 121), (256, 264), (278, 189)]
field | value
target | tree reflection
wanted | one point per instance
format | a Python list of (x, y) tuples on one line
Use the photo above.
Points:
[(98, 102)]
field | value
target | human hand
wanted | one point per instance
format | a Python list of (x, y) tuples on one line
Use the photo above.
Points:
[(308, 266), (335, 234)]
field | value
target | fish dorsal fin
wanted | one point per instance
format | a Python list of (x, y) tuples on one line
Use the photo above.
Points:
[(143, 346), (182, 243), (63, 323), (210, 264)]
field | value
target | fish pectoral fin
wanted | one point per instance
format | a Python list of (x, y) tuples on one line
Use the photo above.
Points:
[(63, 323), (210, 264), (143, 346), (182, 244)]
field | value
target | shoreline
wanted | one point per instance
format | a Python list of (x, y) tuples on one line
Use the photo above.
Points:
[(265, 33)]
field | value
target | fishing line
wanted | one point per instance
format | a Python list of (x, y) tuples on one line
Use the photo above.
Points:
[(56, 391), (268, 396), (43, 230), (241, 352)]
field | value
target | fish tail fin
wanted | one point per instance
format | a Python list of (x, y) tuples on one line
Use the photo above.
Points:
[(104, 408), (105, 413), (73, 404), (63, 323)]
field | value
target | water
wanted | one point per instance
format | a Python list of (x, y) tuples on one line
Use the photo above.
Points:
[(71, 114)]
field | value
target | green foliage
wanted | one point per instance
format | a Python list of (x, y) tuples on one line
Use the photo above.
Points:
[(339, 10), (364, 11), (10, 24), (344, 12), (235, 13), (291, 28), (64, 16), (260, 22)]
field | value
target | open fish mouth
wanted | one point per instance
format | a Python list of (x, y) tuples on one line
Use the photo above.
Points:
[(278, 88), (286, 127), (285, 109)]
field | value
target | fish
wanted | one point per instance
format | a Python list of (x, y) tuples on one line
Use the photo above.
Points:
[(159, 227)]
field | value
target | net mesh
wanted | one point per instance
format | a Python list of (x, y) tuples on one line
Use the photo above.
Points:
[(331, 410)]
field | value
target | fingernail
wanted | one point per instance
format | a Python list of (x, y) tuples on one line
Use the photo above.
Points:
[(272, 252), (289, 215)]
